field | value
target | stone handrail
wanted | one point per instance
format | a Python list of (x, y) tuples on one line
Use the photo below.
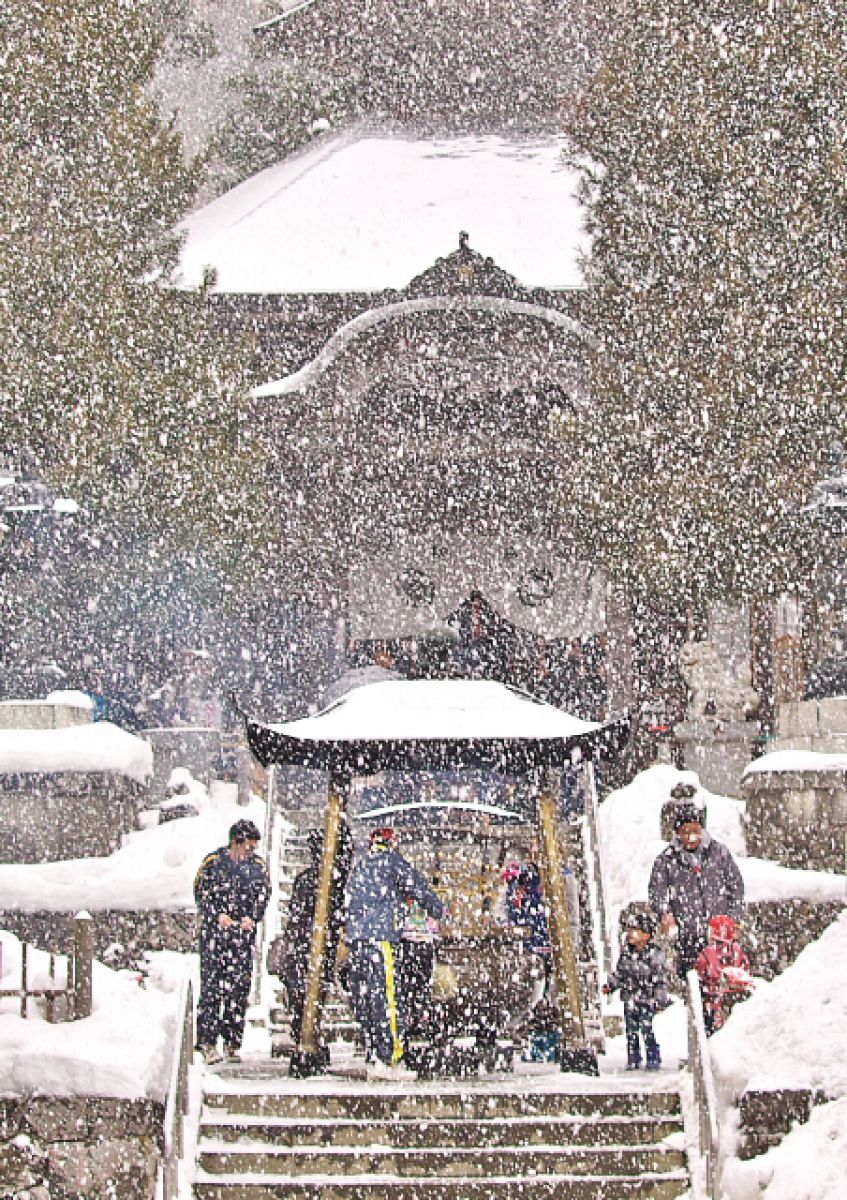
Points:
[(177, 1100), (705, 1099)]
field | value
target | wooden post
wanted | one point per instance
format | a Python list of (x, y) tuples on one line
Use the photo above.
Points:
[(310, 1056), (24, 972), (83, 960), (553, 862)]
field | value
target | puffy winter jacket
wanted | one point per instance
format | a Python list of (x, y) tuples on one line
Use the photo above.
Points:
[(223, 885), (380, 884), (642, 976), (696, 886)]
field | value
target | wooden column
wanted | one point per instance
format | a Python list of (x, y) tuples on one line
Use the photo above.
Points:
[(575, 1056), (311, 1056)]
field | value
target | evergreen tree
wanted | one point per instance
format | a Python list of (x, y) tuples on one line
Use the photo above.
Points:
[(712, 149), (478, 65), (109, 376)]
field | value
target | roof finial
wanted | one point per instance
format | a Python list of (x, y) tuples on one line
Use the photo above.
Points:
[(463, 240)]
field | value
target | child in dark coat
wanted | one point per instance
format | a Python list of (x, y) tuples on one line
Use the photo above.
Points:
[(642, 977), (724, 971)]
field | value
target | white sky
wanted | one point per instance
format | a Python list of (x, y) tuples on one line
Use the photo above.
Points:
[(364, 212)]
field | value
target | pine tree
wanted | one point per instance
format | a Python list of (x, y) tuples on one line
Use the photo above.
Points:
[(712, 149), (109, 376)]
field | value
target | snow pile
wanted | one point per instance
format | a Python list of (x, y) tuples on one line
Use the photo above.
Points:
[(123, 1049), (792, 1032), (99, 747), (809, 1164), (796, 760), (154, 869), (71, 698)]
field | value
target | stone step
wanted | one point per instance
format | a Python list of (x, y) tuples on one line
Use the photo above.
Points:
[(444, 1162), (664, 1186), (389, 1103), (495, 1132)]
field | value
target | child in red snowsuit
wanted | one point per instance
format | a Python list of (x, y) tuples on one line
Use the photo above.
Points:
[(724, 971)]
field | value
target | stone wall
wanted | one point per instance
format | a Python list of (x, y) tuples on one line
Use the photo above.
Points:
[(46, 817), (767, 1116), (195, 748), (819, 725), (781, 929), (66, 1148), (797, 818)]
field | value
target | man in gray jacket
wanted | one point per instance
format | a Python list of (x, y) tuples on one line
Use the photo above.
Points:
[(380, 886), (693, 879)]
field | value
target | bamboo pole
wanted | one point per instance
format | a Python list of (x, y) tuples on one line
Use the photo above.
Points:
[(311, 1056), (553, 862)]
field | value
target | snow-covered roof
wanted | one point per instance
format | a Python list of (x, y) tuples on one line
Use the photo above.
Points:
[(367, 211), (427, 709), (100, 747), (434, 724)]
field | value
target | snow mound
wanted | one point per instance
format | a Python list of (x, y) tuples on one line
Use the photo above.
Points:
[(792, 1032)]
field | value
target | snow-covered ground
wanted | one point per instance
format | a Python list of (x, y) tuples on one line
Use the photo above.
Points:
[(791, 1033)]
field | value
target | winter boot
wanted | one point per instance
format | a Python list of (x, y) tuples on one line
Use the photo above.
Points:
[(633, 1064), (211, 1055), (654, 1059)]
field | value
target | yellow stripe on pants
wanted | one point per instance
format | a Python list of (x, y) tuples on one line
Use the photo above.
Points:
[(391, 1001)]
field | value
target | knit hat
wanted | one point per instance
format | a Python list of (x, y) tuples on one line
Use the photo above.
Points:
[(640, 919), (511, 871), (383, 838), (723, 928), (688, 814)]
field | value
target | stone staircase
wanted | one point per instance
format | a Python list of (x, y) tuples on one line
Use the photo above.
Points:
[(342, 1140)]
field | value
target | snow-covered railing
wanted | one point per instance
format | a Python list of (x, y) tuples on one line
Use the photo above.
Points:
[(595, 880), (267, 927), (72, 1000), (705, 1099), (176, 1105)]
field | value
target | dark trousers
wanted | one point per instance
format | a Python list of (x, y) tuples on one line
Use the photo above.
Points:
[(638, 1021), (414, 966), (226, 970), (373, 992), (688, 950)]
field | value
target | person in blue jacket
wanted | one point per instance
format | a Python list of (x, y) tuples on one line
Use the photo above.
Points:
[(378, 891), (231, 889)]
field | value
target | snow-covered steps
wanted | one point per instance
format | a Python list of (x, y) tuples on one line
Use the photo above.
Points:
[(449, 1141)]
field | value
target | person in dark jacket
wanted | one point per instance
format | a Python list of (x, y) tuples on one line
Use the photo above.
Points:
[(297, 939), (380, 886), (641, 975), (693, 879), (231, 889)]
